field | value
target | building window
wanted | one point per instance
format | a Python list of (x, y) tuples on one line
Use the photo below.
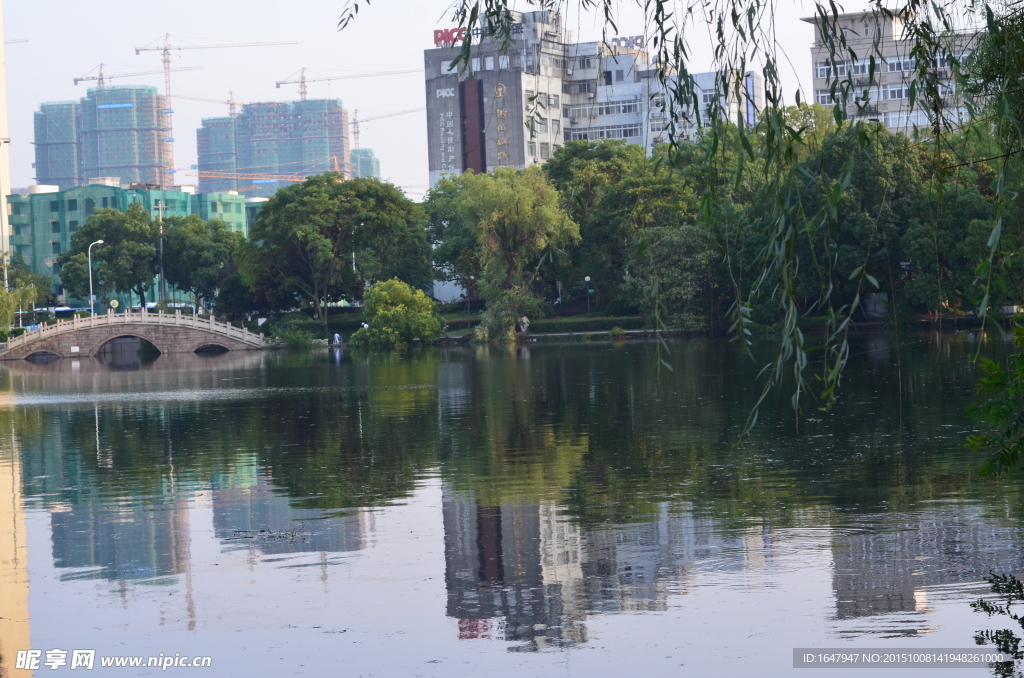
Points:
[(556, 126), (55, 226), (489, 63), (584, 62), (72, 205), (238, 208), (899, 91), (545, 150), (608, 132), (56, 248), (619, 75), (607, 78), (445, 67), (503, 62), (708, 98), (54, 205), (475, 64), (860, 67), (531, 148), (541, 124), (113, 202), (824, 97), (105, 202), (72, 226), (213, 205), (828, 69), (897, 64)]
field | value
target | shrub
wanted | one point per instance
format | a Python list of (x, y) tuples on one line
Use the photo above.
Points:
[(618, 333), (18, 331), (293, 337), (397, 314), (4, 336)]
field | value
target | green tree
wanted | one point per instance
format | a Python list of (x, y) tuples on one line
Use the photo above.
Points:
[(675, 261), (456, 257), (944, 253), (124, 263), (1002, 412), (397, 314), (310, 240), (198, 255), (517, 219), (611, 189)]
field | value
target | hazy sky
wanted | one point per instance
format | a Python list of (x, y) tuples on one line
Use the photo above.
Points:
[(68, 39)]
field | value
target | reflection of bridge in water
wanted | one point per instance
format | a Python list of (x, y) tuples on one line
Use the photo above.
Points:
[(81, 337)]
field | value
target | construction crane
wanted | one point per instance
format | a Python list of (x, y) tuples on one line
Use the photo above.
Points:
[(166, 48), (232, 104), (301, 80), (356, 121), (101, 79)]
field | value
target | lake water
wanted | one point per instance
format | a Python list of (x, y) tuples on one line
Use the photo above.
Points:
[(548, 511)]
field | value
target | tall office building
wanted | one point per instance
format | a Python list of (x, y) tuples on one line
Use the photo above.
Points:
[(364, 164), (57, 144), (267, 143), (888, 88), (515, 107), (112, 132)]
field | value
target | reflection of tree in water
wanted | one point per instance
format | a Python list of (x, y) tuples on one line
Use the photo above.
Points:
[(577, 481), (1010, 591)]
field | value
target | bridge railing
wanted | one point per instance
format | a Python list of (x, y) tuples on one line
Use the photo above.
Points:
[(161, 318)]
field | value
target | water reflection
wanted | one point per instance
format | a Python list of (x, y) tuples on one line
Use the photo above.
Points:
[(573, 483)]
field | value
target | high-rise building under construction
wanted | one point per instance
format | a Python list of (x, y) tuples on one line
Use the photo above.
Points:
[(268, 143), (112, 132)]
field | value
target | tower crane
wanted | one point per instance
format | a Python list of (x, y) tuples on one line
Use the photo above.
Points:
[(356, 121), (101, 79), (231, 102), (166, 48), (301, 80)]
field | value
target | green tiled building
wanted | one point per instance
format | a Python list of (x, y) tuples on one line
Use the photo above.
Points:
[(42, 222)]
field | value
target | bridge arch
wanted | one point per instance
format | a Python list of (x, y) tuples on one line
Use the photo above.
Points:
[(103, 344)]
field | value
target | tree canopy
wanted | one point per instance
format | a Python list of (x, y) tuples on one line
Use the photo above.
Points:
[(320, 240)]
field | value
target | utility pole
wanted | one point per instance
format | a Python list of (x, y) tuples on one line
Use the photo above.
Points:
[(160, 207), (5, 157)]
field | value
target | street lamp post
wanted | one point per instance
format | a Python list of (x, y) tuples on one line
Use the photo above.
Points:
[(92, 297), (587, 280)]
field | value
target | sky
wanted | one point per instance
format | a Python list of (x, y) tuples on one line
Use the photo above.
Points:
[(68, 39)]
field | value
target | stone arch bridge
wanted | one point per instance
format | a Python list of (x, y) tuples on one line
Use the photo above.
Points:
[(177, 333)]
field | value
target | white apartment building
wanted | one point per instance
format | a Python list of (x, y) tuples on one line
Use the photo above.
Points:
[(888, 88), (516, 107)]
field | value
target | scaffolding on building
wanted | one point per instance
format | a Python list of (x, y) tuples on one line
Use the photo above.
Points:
[(269, 143), (57, 145), (123, 134)]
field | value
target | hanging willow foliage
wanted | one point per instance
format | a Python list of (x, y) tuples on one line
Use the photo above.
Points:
[(801, 234)]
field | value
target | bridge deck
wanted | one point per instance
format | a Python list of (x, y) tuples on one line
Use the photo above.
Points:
[(140, 321)]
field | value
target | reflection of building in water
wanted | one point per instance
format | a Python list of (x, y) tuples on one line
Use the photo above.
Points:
[(526, 572), (244, 502), (137, 540), (14, 617), (884, 568)]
